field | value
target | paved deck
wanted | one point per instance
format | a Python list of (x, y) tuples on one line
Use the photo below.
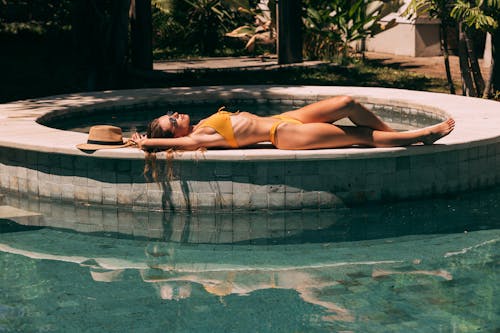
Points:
[(21, 116), (429, 66), (227, 64)]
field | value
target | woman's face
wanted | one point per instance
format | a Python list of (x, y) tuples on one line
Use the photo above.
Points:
[(177, 124)]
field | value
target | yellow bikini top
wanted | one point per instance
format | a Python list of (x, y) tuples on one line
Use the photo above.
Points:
[(221, 123)]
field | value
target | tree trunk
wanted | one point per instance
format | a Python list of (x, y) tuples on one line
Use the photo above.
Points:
[(474, 64), (142, 35), (444, 45), (495, 61), (289, 31), (119, 38), (487, 83), (467, 83), (90, 32)]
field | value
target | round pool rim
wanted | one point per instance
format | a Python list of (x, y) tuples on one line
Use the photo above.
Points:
[(476, 119)]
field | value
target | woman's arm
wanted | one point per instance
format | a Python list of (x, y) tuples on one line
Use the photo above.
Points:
[(182, 143)]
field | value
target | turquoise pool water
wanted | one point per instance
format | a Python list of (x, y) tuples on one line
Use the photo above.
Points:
[(426, 266)]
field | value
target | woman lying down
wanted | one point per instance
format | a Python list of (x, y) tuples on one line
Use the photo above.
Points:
[(309, 127)]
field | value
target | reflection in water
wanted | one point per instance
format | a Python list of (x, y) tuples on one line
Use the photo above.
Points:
[(459, 213), (440, 273), (321, 275), (242, 282), (398, 267)]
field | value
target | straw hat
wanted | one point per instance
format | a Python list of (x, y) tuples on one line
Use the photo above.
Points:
[(104, 137)]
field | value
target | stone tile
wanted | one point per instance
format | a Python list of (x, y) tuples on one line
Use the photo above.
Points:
[(207, 200), (95, 194), (293, 200), (81, 193), (276, 200), (258, 200), (222, 186), (109, 196), (67, 192)]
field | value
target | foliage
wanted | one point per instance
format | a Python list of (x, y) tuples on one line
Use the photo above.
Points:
[(482, 15), (35, 17), (189, 27), (207, 22), (440, 9), (321, 38), (263, 30), (169, 33), (332, 26)]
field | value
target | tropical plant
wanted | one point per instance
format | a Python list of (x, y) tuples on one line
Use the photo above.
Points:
[(331, 27), (35, 17), (262, 31), (208, 20), (169, 30), (197, 26), (481, 15), (321, 38), (441, 10)]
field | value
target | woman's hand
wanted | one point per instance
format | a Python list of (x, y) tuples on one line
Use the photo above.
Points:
[(182, 143), (139, 140)]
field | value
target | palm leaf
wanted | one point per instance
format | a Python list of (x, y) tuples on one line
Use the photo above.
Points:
[(163, 5), (243, 31), (474, 16)]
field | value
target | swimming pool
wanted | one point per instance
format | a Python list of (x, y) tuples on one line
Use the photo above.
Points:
[(416, 266), (251, 239)]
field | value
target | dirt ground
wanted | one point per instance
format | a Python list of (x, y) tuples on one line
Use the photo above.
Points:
[(432, 66)]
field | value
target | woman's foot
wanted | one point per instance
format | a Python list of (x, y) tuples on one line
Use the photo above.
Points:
[(438, 131)]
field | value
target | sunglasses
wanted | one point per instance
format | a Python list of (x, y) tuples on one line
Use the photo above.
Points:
[(172, 120)]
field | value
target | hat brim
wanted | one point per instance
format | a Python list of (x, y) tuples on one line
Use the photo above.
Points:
[(92, 146)]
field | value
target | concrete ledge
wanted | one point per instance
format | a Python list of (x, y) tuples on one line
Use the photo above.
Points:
[(42, 161)]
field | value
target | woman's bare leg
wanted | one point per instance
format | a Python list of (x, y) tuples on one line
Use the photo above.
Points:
[(320, 135), (336, 108)]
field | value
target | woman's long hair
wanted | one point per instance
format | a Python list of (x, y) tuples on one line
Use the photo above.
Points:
[(154, 130)]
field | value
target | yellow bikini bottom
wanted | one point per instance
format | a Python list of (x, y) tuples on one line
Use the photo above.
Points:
[(274, 128)]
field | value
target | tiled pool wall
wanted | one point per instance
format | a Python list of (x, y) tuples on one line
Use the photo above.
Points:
[(201, 227), (248, 185), (263, 226), (253, 184)]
